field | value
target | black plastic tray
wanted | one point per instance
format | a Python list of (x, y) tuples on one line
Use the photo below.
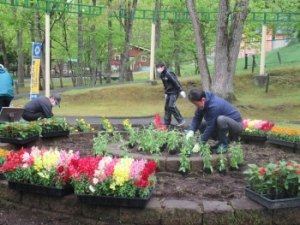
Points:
[(272, 204)]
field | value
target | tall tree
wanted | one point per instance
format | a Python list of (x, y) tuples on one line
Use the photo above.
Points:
[(125, 71)]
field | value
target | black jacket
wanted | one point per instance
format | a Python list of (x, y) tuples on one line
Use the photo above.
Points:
[(171, 84), (39, 105)]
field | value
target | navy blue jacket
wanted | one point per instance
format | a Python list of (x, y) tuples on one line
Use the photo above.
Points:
[(213, 107), (171, 84), (42, 104)]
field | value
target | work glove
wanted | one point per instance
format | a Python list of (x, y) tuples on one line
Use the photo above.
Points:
[(182, 93), (166, 96), (190, 134), (196, 148)]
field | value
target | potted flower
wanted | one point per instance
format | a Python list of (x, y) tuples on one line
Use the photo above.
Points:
[(283, 136), (82, 126), (234, 155), (274, 185), (173, 140), (3, 154), (106, 125), (127, 125), (255, 130), (133, 135), (148, 140), (113, 181), (184, 160), (39, 171), (54, 126), (222, 164), (207, 158), (19, 132)]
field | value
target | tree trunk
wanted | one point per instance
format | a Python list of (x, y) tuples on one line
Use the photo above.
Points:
[(201, 52), (125, 59), (93, 66), (227, 46), (109, 52), (20, 60), (80, 70)]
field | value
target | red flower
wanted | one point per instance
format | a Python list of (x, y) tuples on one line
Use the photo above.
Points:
[(297, 171), (262, 171)]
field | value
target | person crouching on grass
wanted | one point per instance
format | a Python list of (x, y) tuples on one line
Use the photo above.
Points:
[(220, 118), (40, 107)]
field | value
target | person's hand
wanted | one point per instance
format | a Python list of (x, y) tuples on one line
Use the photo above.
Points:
[(183, 94), (166, 96), (190, 134)]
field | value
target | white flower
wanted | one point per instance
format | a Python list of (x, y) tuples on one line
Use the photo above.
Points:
[(91, 188), (95, 180)]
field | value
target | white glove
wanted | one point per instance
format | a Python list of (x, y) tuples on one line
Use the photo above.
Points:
[(196, 148), (189, 134), (166, 96), (183, 94)]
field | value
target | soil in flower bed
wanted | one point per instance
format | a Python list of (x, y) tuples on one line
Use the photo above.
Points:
[(197, 186)]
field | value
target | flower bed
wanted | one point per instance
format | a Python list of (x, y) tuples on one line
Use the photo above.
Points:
[(256, 127), (39, 167), (284, 134), (278, 177), (117, 177), (20, 130)]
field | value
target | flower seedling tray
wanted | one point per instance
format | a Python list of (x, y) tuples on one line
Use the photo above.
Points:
[(268, 202), (40, 189), (19, 141), (282, 142), (114, 201), (55, 134), (248, 137)]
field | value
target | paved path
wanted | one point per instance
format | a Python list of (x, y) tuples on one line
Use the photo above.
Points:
[(119, 120)]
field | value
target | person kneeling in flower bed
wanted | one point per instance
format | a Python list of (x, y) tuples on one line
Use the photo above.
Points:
[(122, 177), (40, 167)]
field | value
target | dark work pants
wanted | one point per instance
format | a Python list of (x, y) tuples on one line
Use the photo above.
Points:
[(171, 109), (224, 123), (5, 101), (29, 116)]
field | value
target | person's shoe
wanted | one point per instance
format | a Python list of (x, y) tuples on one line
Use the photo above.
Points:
[(222, 149), (216, 146), (181, 123)]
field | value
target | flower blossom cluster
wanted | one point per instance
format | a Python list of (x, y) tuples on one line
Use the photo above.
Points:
[(39, 166), (127, 125), (105, 175), (158, 124), (106, 125), (275, 177), (257, 127)]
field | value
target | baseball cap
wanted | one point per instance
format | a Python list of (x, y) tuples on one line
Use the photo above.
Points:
[(57, 99)]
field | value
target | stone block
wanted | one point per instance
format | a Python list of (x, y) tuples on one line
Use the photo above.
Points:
[(260, 80), (250, 212), (172, 164), (151, 214), (100, 212), (181, 212), (288, 216), (196, 163), (151, 82), (9, 194), (6, 146), (217, 213), (63, 204)]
